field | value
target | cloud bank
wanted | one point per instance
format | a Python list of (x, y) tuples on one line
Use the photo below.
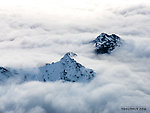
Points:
[(32, 35)]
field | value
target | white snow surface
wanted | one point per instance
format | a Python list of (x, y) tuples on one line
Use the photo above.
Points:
[(66, 69)]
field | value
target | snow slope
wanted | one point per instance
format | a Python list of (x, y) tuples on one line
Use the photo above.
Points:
[(66, 69)]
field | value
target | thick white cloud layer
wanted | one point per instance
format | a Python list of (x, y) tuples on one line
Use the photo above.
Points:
[(35, 32)]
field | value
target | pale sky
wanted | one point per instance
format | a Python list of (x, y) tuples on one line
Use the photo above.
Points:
[(48, 5)]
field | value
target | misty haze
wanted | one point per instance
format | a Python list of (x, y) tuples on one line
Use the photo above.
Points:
[(75, 56)]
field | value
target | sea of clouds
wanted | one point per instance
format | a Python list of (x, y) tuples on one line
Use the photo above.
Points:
[(36, 32)]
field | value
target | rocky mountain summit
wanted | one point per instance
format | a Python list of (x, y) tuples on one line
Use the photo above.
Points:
[(105, 43)]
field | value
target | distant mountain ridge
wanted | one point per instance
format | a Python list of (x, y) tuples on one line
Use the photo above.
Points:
[(67, 69)]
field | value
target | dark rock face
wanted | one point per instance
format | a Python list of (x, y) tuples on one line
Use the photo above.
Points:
[(3, 70), (4, 74), (105, 43)]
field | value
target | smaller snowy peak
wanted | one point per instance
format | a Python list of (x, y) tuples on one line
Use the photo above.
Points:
[(105, 43)]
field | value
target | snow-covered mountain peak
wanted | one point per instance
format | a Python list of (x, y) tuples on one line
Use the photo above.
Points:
[(105, 43), (67, 69)]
